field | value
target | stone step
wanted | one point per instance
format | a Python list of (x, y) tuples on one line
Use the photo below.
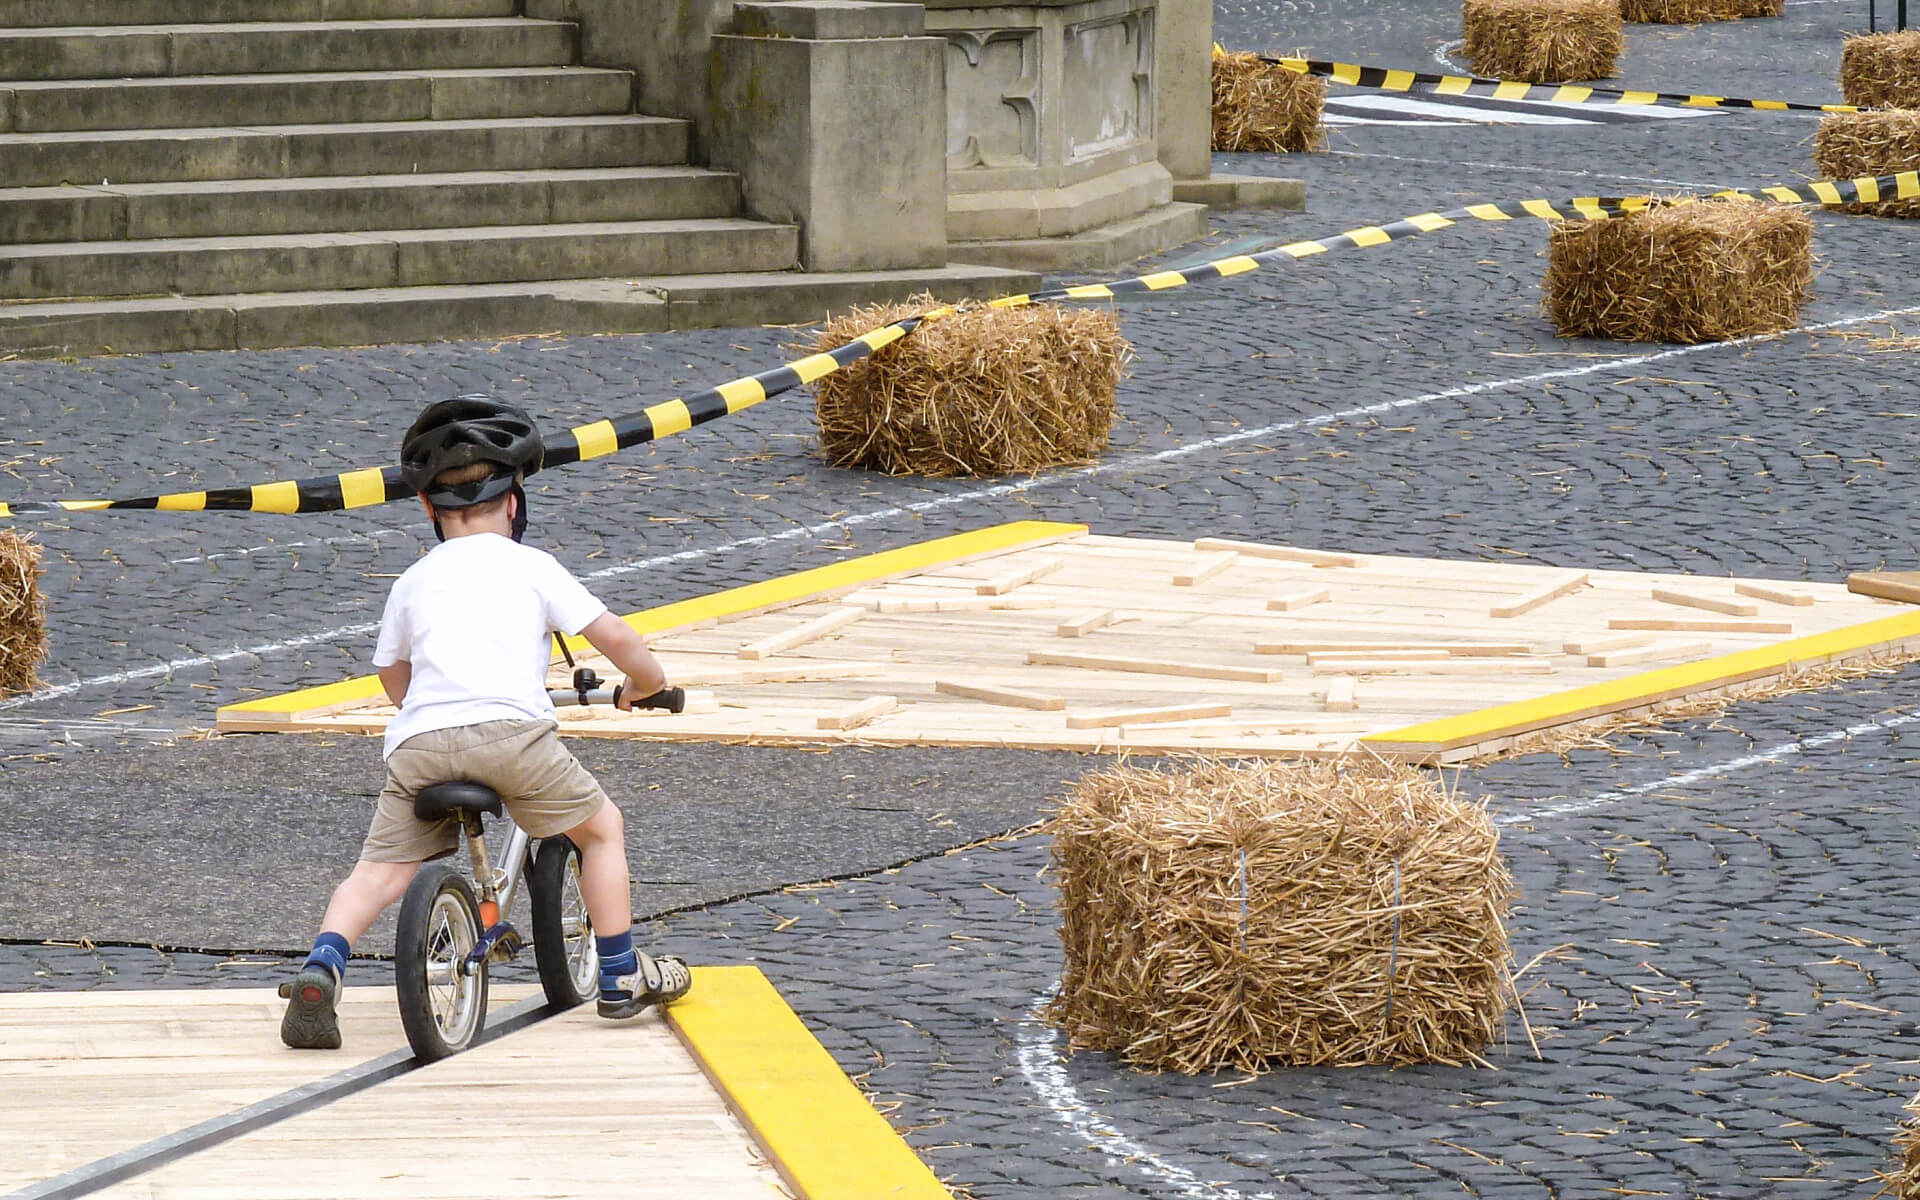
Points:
[(261, 320), (250, 207), (127, 51), (371, 148), (29, 14), (311, 98), (393, 258)]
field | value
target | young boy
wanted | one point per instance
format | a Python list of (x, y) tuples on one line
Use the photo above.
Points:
[(463, 654)]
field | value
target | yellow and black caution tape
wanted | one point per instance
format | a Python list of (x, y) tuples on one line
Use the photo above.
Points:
[(1388, 79), (377, 485)]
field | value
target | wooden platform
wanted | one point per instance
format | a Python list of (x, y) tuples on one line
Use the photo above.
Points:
[(1043, 636), (567, 1106)]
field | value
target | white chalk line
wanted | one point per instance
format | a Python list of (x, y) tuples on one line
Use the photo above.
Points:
[(1046, 1075), (1434, 162), (998, 491), (1770, 755)]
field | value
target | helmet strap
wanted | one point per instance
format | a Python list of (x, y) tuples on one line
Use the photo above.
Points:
[(439, 533), (519, 495)]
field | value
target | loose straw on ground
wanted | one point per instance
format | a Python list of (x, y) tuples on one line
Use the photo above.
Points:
[(23, 618), (985, 391), (1682, 272), (1323, 913), (1260, 106), (1542, 41)]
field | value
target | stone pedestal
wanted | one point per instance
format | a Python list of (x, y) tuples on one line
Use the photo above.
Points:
[(831, 112)]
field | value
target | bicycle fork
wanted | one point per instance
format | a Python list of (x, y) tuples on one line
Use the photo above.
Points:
[(501, 941)]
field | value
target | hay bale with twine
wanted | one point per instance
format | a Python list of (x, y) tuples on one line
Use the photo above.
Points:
[(1258, 106), (1903, 1182), (1882, 70), (1693, 12), (1542, 41), (1323, 913), (1685, 272), (1851, 145), (984, 391), (23, 613)]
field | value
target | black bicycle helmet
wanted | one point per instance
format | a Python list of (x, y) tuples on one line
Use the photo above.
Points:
[(467, 430)]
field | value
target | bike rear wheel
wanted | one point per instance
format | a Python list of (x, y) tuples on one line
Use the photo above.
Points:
[(441, 1008), (563, 945)]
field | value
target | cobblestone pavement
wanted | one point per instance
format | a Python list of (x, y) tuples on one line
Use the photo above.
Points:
[(1408, 399)]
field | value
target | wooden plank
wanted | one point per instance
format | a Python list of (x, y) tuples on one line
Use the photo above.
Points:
[(1011, 697), (1686, 625), (1654, 653), (1001, 584), (1152, 666), (1315, 656), (1341, 694), (1732, 608), (1292, 601), (1318, 558), (1206, 569), (1454, 649), (868, 710), (1451, 666), (1086, 623), (803, 672), (1601, 644), (1761, 590), (1903, 586), (945, 604), (800, 635), (1553, 589), (1307, 723), (1136, 716)]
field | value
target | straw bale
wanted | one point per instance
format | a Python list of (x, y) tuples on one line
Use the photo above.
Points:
[(1691, 12), (1851, 145), (1903, 1182), (1258, 106), (985, 391), (23, 613), (1281, 913), (1881, 70), (1542, 41), (1683, 272)]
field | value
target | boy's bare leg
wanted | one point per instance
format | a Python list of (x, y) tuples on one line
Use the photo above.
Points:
[(365, 894), (629, 981)]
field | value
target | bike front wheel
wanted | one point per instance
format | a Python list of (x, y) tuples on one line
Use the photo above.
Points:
[(563, 945), (442, 1008)]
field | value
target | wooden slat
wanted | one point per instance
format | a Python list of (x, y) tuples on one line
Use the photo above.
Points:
[(1453, 649), (1341, 694), (1449, 666), (868, 710), (1691, 625), (1011, 697), (1903, 586), (1774, 592), (1138, 716), (1314, 656), (1293, 601), (946, 604), (801, 672), (1654, 653), (1152, 666), (800, 635), (1086, 623), (1206, 569), (1001, 584), (1719, 604), (1318, 558), (1553, 589), (1597, 645)]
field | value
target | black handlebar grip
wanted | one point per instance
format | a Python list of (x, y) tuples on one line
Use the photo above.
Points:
[(672, 699)]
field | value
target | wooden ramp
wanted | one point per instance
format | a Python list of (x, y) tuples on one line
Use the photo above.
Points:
[(564, 1105), (1042, 636)]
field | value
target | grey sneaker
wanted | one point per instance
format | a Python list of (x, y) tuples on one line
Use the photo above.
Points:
[(311, 1022), (659, 980)]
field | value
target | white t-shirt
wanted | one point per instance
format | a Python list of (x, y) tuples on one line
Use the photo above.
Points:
[(476, 617)]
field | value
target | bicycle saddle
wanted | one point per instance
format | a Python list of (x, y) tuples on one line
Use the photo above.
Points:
[(440, 800)]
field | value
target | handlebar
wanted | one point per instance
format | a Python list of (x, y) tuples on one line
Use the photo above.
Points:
[(586, 690)]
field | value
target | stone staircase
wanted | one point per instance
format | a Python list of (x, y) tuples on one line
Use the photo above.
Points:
[(211, 174)]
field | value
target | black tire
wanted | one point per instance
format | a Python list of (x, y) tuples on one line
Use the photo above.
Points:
[(442, 1010), (563, 945)]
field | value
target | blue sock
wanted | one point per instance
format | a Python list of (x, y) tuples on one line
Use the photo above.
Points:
[(616, 959), (331, 949)]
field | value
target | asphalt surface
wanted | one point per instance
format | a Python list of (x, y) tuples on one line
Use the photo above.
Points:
[(1731, 1006)]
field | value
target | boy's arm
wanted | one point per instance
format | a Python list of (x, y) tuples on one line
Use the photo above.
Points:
[(627, 651), (395, 677)]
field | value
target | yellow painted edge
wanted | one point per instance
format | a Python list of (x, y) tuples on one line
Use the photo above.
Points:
[(748, 597), (822, 1135), (1521, 716)]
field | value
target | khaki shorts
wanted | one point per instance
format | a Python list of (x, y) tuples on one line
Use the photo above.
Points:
[(545, 789)]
